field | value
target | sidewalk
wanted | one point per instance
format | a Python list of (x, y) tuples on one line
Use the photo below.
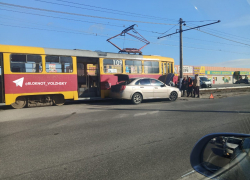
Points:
[(219, 93)]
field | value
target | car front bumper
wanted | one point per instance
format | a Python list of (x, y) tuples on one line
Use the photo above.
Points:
[(206, 85)]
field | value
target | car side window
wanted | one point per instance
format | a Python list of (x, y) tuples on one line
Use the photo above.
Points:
[(155, 82), (145, 82), (137, 82)]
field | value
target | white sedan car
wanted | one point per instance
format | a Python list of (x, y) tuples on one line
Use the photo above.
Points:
[(137, 89)]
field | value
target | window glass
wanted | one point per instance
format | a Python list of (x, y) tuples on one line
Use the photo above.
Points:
[(205, 79), (26, 63), (0, 67), (112, 66), (66, 62), (147, 63), (137, 82), (92, 69), (164, 68), (129, 81), (133, 67), (156, 82), (145, 82), (59, 64), (151, 67)]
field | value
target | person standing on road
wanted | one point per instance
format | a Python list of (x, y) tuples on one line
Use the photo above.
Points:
[(190, 87), (184, 85), (197, 85)]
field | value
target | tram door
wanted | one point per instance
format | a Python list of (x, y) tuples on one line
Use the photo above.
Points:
[(88, 77), (164, 68), (1, 80)]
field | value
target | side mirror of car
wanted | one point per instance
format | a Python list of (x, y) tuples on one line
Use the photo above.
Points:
[(222, 156), (163, 85)]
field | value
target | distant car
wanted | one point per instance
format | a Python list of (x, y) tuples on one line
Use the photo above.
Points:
[(231, 145), (204, 82), (137, 89), (245, 81), (213, 140)]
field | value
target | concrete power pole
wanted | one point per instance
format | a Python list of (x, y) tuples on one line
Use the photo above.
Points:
[(181, 56), (180, 31)]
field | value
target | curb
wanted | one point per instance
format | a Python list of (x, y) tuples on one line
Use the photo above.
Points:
[(238, 87)]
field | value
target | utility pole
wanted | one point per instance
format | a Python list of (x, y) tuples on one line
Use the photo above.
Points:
[(181, 56), (181, 48)]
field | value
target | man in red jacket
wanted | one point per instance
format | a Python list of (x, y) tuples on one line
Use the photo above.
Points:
[(190, 87)]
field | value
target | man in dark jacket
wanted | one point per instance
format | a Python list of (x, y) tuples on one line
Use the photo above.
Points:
[(184, 85), (190, 87)]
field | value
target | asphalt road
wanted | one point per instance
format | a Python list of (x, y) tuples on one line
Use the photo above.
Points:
[(113, 140)]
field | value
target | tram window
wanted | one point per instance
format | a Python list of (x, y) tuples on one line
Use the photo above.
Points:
[(112, 66), (151, 67), (133, 67), (59, 64), (26, 63)]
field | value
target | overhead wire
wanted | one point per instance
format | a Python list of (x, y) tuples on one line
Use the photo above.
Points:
[(201, 21), (101, 35), (87, 15), (204, 49), (25, 27), (49, 16), (224, 33), (176, 41), (111, 11), (220, 36), (28, 21), (126, 12), (168, 29), (83, 15), (111, 19), (214, 42)]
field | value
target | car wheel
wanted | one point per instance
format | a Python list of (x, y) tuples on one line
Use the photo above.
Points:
[(173, 96), (136, 98)]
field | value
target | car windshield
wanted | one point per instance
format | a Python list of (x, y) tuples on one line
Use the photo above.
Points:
[(204, 79)]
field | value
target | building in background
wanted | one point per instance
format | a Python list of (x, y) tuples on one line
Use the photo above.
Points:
[(217, 75)]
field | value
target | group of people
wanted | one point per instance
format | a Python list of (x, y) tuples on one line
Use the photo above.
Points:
[(191, 86)]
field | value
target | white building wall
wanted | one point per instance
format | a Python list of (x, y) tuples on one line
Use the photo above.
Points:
[(222, 79)]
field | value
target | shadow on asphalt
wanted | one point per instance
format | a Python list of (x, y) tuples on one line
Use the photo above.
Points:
[(5, 107), (114, 102), (97, 102), (166, 110)]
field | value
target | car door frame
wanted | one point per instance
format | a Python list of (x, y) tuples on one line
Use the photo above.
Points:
[(159, 90), (2, 92), (147, 90)]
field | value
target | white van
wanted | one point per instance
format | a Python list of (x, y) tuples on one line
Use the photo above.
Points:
[(204, 82)]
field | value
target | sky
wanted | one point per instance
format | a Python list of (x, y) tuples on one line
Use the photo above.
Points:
[(81, 24)]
